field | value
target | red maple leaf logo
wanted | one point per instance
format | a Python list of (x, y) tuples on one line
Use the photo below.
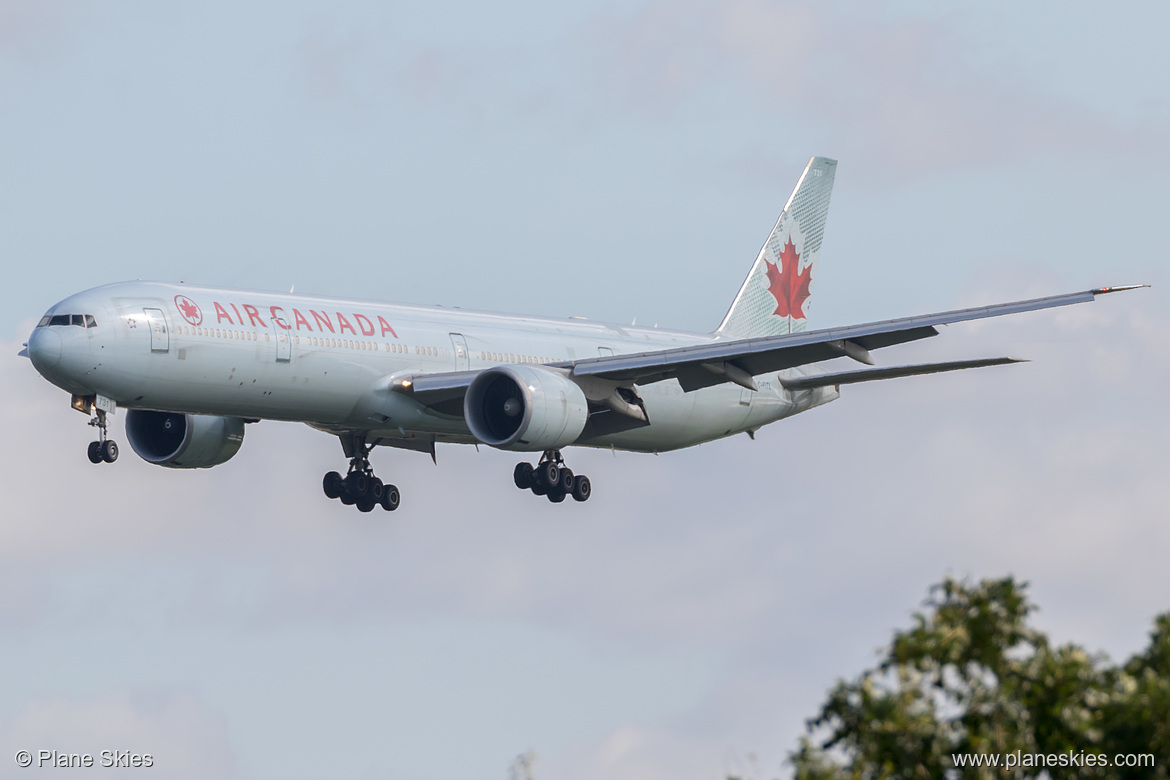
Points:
[(189, 309), (788, 286)]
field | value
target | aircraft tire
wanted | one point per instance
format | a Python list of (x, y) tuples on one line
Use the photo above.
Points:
[(547, 474), (376, 490), (109, 450), (365, 504), (582, 489), (565, 480), (95, 452), (356, 484), (391, 498), (522, 476), (556, 496), (346, 498), (332, 485)]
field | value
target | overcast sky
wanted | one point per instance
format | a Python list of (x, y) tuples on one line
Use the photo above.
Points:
[(611, 161)]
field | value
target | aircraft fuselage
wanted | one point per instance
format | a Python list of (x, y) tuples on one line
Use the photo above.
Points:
[(328, 362)]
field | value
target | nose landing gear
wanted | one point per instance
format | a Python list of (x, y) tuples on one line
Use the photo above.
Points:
[(103, 449), (359, 487), (550, 477)]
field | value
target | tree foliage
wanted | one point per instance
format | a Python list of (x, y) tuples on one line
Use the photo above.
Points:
[(973, 676)]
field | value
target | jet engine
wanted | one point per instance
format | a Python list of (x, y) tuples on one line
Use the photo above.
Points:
[(525, 408), (183, 441)]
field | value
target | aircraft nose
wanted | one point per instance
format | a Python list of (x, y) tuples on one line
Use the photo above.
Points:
[(44, 348)]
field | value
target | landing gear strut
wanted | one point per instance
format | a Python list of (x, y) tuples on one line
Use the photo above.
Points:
[(103, 449), (359, 487), (552, 478)]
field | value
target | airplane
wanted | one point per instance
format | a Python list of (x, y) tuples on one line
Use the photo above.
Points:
[(193, 365)]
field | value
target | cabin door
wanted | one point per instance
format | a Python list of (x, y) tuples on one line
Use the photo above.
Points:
[(160, 338), (281, 332), (459, 345)]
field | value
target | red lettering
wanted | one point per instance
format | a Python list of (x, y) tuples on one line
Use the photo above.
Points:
[(237, 311), (301, 318), (278, 318), (386, 326), (363, 321), (253, 315), (221, 314), (322, 320), (343, 324)]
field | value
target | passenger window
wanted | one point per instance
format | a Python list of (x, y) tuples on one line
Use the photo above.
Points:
[(90, 322)]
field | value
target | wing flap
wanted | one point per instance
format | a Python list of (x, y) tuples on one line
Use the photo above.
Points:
[(893, 372)]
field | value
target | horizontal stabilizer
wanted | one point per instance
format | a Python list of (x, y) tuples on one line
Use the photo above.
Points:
[(894, 372)]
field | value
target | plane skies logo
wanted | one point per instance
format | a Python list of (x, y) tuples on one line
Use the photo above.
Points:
[(787, 283), (189, 309)]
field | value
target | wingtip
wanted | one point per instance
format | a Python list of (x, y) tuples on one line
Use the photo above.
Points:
[(1119, 288)]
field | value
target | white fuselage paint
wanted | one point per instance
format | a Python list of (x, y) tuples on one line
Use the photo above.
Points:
[(239, 360)]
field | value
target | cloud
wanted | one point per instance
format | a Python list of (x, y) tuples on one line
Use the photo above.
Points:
[(894, 92), (889, 91)]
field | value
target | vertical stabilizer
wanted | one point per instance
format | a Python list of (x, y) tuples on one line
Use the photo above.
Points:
[(774, 299)]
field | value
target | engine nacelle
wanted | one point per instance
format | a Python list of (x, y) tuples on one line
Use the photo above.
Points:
[(525, 408), (183, 441)]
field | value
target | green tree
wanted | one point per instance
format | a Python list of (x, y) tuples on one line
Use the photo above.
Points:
[(973, 676)]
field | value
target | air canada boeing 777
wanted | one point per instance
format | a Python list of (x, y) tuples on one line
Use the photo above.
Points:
[(192, 365)]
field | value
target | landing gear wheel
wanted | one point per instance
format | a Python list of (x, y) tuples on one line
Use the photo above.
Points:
[(391, 498), (581, 488), (356, 484), (376, 490), (565, 481), (109, 450), (347, 498), (365, 504), (538, 489), (547, 474), (522, 476), (95, 452), (332, 485), (556, 496)]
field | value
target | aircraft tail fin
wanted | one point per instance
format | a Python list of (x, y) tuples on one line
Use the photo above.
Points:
[(774, 299)]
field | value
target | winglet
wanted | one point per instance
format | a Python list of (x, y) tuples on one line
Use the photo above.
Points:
[(1122, 288)]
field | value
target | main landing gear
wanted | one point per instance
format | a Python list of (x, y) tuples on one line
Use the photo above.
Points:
[(103, 449), (359, 487), (552, 478)]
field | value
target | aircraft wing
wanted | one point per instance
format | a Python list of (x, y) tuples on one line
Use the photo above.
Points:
[(740, 360)]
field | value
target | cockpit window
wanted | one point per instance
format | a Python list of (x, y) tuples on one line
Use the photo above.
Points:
[(80, 320)]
